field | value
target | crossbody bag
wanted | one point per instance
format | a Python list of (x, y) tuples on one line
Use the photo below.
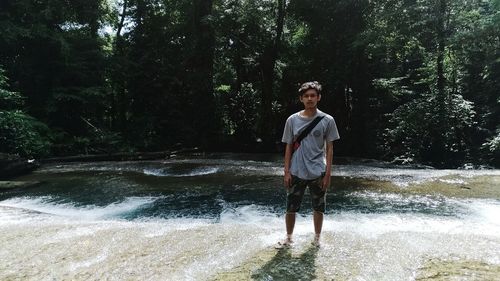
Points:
[(305, 132)]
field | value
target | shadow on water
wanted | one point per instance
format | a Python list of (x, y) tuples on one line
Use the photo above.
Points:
[(285, 266)]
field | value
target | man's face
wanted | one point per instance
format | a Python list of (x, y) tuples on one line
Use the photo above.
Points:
[(310, 99)]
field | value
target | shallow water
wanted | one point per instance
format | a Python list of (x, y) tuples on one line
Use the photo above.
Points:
[(217, 217)]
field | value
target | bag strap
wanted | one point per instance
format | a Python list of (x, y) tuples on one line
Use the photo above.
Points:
[(309, 128)]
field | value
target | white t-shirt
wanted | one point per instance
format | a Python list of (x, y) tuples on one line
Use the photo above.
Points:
[(309, 160)]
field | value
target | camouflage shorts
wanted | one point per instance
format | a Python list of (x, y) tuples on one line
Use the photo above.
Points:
[(296, 192)]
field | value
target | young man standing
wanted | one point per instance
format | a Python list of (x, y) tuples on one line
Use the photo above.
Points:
[(310, 164)]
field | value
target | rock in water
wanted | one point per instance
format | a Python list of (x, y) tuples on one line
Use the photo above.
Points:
[(13, 166), (6, 185)]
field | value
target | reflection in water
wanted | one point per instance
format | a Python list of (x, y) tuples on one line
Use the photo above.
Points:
[(284, 266)]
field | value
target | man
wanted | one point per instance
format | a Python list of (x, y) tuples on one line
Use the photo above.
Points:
[(310, 165)]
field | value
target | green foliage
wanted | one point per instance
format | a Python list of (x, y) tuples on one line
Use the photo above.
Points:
[(239, 109), (19, 133), (96, 142), (8, 99), (53, 54), (493, 145), (414, 130), (22, 134), (393, 86), (416, 80), (491, 149), (403, 41)]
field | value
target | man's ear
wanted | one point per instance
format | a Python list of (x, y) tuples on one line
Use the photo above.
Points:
[(319, 97)]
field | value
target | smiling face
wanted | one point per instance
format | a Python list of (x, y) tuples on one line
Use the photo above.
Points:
[(310, 99)]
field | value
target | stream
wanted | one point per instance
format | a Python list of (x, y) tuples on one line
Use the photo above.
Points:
[(218, 217)]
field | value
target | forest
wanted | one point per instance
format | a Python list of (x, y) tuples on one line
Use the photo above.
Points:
[(407, 81)]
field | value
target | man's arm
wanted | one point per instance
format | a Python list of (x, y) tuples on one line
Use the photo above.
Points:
[(328, 171), (288, 158)]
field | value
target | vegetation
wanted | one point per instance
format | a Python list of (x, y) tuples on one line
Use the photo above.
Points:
[(19, 132), (410, 81)]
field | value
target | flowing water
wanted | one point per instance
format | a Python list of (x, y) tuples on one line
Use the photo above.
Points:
[(218, 217)]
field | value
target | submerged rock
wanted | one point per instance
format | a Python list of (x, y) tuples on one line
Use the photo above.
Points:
[(396, 163), (17, 184), (457, 269)]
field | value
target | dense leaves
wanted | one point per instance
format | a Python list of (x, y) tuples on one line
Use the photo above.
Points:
[(410, 81), (19, 132)]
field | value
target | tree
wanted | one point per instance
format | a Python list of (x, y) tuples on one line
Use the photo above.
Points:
[(249, 40), (427, 65), (267, 63), (53, 53), (329, 50), (200, 71)]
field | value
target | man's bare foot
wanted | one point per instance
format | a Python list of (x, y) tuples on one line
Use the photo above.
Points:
[(315, 242), (286, 243)]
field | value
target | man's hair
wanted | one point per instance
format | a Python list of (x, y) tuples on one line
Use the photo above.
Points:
[(310, 85)]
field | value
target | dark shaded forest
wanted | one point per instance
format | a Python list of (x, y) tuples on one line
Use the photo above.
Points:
[(407, 81)]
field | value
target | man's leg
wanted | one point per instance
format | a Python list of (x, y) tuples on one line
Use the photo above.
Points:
[(318, 223), (290, 224), (318, 197), (294, 199)]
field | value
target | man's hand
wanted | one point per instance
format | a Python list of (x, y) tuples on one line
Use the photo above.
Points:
[(287, 180), (325, 184)]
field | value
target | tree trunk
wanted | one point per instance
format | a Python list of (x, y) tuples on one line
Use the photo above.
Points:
[(438, 149), (120, 25), (119, 100), (238, 64), (440, 53), (202, 71), (268, 61)]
